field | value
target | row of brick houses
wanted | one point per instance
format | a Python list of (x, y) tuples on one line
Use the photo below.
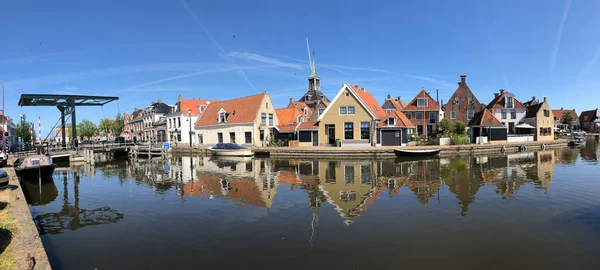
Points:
[(352, 118)]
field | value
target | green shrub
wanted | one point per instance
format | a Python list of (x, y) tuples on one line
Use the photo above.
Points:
[(445, 127), (458, 139), (460, 128)]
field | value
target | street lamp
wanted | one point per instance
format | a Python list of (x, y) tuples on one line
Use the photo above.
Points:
[(3, 117), (190, 120)]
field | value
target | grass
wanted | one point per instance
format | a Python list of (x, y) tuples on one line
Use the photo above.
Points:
[(8, 230)]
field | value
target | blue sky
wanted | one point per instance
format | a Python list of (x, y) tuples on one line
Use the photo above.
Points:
[(143, 51)]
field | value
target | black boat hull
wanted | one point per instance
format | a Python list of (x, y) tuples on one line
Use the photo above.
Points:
[(403, 153), (33, 174)]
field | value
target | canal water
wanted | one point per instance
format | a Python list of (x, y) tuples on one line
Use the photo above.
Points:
[(536, 210)]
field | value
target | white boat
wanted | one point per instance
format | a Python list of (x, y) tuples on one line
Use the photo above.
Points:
[(231, 150)]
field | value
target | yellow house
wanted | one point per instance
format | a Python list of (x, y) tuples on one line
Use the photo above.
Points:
[(541, 117), (351, 118)]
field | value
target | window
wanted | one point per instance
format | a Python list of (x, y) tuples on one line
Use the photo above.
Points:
[(222, 116), (348, 196), (511, 128), (267, 105), (546, 113), (365, 174), (321, 111), (452, 115), (470, 114), (200, 139), (408, 115), (305, 111), (349, 131), (248, 137), (470, 99), (330, 173), (179, 121), (503, 113), (298, 119), (510, 102), (220, 137), (422, 102), (304, 136), (263, 119), (351, 110), (262, 135), (513, 114), (349, 174), (419, 130), (270, 119), (365, 130), (419, 115), (201, 108), (391, 121), (232, 137), (455, 100), (342, 110)]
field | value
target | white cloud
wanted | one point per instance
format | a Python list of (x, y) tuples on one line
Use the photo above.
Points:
[(349, 67), (558, 38), (429, 79), (264, 59)]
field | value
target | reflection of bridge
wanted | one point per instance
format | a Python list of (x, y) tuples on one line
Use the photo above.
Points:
[(68, 153)]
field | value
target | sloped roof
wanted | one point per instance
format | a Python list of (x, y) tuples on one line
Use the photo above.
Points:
[(532, 110), (485, 118), (239, 110), (159, 107), (308, 126), (499, 102), (432, 105), (289, 128), (193, 105), (401, 120), (398, 103), (561, 112), (289, 115), (590, 116), (369, 101)]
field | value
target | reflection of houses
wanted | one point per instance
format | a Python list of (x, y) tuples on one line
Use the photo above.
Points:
[(544, 168), (424, 180), (349, 186)]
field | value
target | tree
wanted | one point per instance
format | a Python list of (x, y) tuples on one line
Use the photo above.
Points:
[(23, 130), (118, 125), (460, 128), (446, 126), (105, 126), (567, 119), (86, 128)]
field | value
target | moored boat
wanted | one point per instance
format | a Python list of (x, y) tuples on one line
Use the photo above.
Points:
[(231, 150), (417, 153), (577, 142), (3, 179), (35, 168)]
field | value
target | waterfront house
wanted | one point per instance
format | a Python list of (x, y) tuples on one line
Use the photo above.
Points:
[(559, 117), (425, 113), (154, 123), (509, 111), (531, 102), (134, 125), (486, 128), (463, 104), (590, 121), (181, 119), (351, 118), (289, 119), (395, 130), (393, 104), (541, 117), (244, 121)]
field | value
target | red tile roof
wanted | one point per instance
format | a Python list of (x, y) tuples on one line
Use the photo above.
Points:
[(589, 114), (369, 101), (289, 128), (400, 105), (485, 118), (289, 115), (559, 114), (193, 105), (308, 126), (401, 120), (432, 105), (499, 102), (239, 110)]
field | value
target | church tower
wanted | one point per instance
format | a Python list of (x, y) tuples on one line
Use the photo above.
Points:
[(314, 95)]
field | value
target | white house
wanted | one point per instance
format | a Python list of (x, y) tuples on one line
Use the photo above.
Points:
[(246, 121), (508, 110), (182, 118)]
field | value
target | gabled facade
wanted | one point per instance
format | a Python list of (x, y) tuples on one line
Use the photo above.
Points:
[(390, 104), (153, 124), (395, 130), (244, 121), (425, 113), (351, 118), (486, 128), (463, 104), (135, 125), (542, 118), (590, 121), (180, 121), (559, 116), (507, 109), (289, 119)]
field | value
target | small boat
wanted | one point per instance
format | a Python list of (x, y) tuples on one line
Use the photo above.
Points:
[(231, 150), (417, 153), (3, 179), (577, 142), (35, 168)]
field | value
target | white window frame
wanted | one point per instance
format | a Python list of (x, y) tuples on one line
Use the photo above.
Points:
[(510, 105), (305, 111), (426, 102), (345, 110), (391, 123), (222, 116)]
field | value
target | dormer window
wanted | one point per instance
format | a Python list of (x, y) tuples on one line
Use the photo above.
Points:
[(455, 100), (510, 102), (305, 111), (391, 121), (422, 102), (299, 118), (201, 108), (222, 116)]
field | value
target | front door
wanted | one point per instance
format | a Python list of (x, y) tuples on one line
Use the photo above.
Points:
[(331, 134)]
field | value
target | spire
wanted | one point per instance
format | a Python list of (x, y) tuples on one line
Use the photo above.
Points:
[(313, 66)]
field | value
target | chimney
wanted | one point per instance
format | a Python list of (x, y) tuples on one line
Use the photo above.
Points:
[(356, 86), (496, 94), (398, 98), (291, 100), (179, 98), (389, 97), (561, 108), (501, 91), (362, 89), (159, 100), (533, 98), (463, 78), (544, 99)]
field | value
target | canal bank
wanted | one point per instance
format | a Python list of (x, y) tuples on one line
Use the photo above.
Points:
[(26, 242)]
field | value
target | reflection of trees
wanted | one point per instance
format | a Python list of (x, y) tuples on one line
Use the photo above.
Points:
[(589, 152), (424, 180), (71, 217), (462, 179), (566, 155)]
